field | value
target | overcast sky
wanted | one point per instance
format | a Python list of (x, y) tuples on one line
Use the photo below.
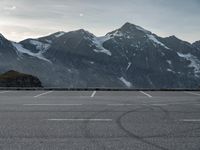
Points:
[(20, 19)]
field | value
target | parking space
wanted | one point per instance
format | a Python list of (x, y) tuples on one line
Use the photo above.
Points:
[(18, 93), (172, 93), (120, 93), (101, 97), (66, 93), (148, 94), (125, 119)]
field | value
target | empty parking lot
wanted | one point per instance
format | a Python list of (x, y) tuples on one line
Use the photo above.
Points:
[(98, 120)]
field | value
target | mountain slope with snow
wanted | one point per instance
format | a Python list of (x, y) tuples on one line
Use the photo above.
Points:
[(129, 57)]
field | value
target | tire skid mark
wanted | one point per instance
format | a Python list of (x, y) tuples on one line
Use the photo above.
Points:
[(166, 113), (170, 134), (88, 134), (132, 135)]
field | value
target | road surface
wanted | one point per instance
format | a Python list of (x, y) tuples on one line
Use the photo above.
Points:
[(99, 120)]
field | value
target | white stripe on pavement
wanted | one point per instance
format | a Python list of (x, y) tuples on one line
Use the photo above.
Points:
[(146, 94), (93, 94), (45, 93), (52, 104), (159, 104), (190, 120), (97, 120), (192, 93), (4, 92), (120, 104)]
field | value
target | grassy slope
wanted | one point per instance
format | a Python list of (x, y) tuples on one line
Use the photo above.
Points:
[(12, 75)]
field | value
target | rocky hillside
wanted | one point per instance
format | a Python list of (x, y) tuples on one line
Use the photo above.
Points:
[(16, 79), (197, 44), (128, 57)]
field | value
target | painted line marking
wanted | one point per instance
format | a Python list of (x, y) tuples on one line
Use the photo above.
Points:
[(190, 120), (52, 104), (159, 104), (114, 105), (192, 93), (148, 104), (4, 92), (45, 93), (94, 120), (93, 94), (146, 94), (120, 104), (136, 104)]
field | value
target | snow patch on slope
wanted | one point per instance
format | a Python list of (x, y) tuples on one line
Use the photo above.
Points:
[(49, 41), (129, 65), (117, 33), (103, 51), (40, 46), (170, 70), (194, 62), (21, 49), (127, 83), (169, 62), (153, 38), (98, 42), (59, 34)]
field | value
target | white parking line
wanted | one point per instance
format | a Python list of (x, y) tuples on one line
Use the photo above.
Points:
[(159, 104), (146, 94), (192, 93), (93, 94), (136, 104), (190, 120), (4, 92), (120, 104), (45, 93), (94, 120), (52, 104)]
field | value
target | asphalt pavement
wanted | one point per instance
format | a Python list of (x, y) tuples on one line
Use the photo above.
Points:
[(99, 120)]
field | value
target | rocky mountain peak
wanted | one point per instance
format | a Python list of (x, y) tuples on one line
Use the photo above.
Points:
[(1, 35), (130, 55), (84, 33), (132, 28), (197, 44), (173, 37)]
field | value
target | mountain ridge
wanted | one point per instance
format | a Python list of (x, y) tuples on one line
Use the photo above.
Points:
[(129, 57), (126, 24)]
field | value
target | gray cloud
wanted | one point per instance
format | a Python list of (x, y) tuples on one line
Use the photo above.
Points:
[(40, 17)]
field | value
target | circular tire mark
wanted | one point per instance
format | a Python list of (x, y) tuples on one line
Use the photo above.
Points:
[(170, 134), (132, 135)]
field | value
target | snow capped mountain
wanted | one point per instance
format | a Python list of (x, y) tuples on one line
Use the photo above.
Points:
[(21, 50), (130, 57)]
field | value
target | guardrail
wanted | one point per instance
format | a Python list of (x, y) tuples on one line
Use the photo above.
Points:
[(96, 89)]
